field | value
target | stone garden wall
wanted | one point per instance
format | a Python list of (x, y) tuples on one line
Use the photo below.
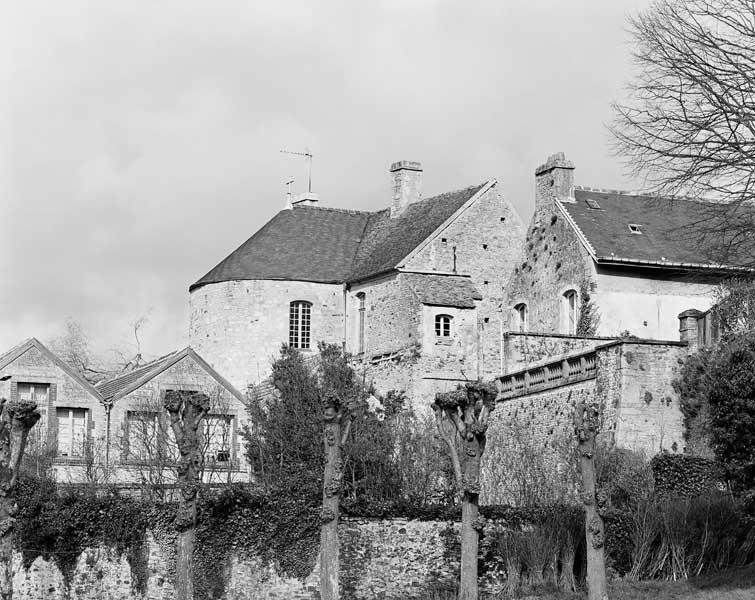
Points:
[(385, 558)]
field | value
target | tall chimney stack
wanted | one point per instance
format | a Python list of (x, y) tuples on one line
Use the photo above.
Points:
[(554, 180), (407, 183)]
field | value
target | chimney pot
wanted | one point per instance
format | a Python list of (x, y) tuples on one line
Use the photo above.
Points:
[(406, 178)]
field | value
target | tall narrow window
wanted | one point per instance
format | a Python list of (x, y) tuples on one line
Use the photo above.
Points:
[(299, 319), (520, 317), (72, 426), (570, 308), (443, 326), (361, 298)]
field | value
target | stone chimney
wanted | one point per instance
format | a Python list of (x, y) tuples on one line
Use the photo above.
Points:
[(306, 199), (688, 322), (406, 178), (554, 180)]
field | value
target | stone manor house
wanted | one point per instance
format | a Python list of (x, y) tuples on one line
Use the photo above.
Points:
[(424, 293), (430, 292)]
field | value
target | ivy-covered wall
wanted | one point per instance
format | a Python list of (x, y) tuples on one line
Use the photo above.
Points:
[(398, 558)]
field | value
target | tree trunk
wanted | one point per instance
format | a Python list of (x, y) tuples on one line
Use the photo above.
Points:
[(17, 418), (186, 410), (469, 545), (185, 563), (587, 426), (473, 448), (6, 548), (331, 495)]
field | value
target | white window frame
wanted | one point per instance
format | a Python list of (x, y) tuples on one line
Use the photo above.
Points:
[(71, 450), (443, 326), (300, 324)]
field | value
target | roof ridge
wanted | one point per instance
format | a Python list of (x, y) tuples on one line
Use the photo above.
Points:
[(145, 366), (333, 209), (587, 188), (449, 192)]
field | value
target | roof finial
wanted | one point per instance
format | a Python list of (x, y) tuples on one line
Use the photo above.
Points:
[(288, 194)]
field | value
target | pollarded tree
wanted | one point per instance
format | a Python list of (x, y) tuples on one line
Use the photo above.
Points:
[(586, 426), (463, 414), (186, 411), (688, 126), (341, 398), (16, 419)]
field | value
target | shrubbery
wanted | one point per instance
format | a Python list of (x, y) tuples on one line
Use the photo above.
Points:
[(717, 390)]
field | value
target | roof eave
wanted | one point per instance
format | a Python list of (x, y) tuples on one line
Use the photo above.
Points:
[(665, 264)]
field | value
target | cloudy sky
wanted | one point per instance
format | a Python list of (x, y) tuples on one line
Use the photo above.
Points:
[(139, 140)]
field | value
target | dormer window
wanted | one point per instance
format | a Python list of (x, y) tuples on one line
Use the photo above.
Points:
[(635, 228), (299, 323), (443, 326), (520, 317)]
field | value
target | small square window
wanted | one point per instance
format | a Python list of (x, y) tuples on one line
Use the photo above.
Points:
[(484, 246), (443, 241)]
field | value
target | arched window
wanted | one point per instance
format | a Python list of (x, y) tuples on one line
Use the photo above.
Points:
[(299, 322), (569, 312), (520, 317), (443, 326), (361, 297)]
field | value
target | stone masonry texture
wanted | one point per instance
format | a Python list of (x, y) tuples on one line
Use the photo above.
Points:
[(389, 558), (238, 327)]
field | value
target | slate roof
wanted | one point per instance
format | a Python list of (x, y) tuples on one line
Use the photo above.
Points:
[(669, 235), (326, 245), (443, 290), (128, 382), (387, 241)]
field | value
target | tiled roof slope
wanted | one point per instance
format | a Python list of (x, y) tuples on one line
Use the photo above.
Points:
[(110, 388), (305, 243), (443, 290), (387, 241), (668, 237), (328, 245)]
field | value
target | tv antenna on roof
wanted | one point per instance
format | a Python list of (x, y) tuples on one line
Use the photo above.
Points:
[(308, 156)]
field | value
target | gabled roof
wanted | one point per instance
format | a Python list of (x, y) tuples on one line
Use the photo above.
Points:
[(443, 290), (387, 241), (123, 385), (669, 231), (19, 349), (326, 245)]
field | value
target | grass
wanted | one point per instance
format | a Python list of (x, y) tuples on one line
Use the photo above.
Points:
[(732, 584)]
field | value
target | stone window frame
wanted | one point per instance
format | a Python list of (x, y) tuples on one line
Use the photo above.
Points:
[(300, 324), (569, 315), (361, 298), (443, 327), (521, 314)]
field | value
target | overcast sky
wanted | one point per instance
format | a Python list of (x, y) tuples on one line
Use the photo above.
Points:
[(139, 140)]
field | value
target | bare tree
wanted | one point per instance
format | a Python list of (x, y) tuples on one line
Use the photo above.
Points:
[(465, 413), (688, 128), (186, 410), (586, 426), (17, 417)]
